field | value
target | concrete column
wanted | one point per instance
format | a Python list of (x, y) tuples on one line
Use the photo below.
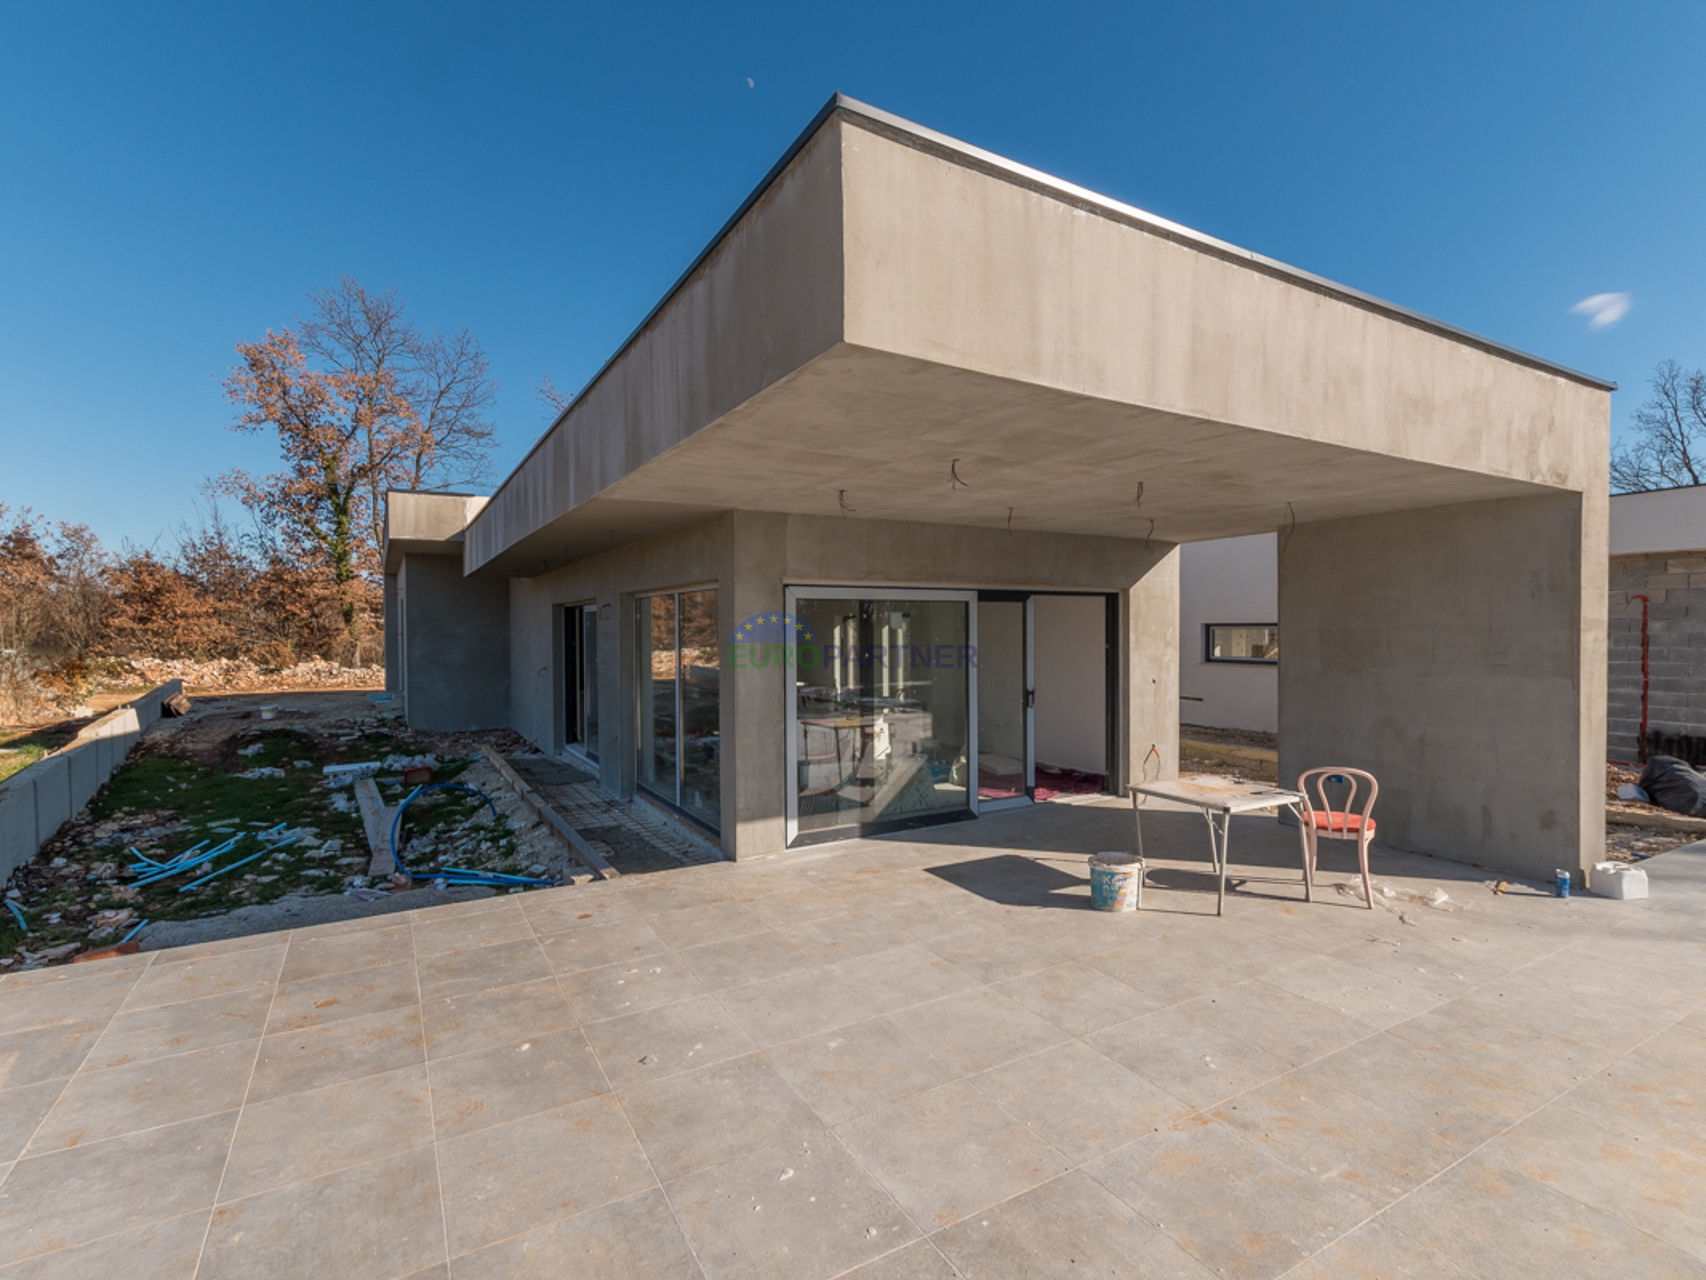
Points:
[(1149, 661), (1458, 654), (754, 702), (393, 676)]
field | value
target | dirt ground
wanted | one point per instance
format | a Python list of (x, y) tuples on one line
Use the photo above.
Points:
[(241, 777)]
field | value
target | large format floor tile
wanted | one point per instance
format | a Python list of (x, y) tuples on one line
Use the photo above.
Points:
[(800, 1210), (895, 1059), (949, 1153), (80, 1194)]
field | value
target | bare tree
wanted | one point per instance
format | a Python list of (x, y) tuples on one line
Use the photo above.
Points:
[(441, 384), (361, 402), (1669, 451), (551, 396)]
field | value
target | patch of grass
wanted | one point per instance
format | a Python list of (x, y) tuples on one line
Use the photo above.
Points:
[(22, 747), (166, 803)]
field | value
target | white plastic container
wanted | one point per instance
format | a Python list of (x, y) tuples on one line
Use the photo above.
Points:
[(1619, 880), (1116, 881)]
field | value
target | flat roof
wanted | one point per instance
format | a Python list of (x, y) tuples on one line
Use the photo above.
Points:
[(1009, 170)]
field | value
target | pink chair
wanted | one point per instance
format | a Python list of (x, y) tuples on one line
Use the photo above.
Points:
[(1344, 822)]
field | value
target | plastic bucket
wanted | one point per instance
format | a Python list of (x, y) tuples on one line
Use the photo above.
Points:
[(1115, 879)]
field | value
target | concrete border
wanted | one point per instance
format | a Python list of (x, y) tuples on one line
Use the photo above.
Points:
[(36, 802)]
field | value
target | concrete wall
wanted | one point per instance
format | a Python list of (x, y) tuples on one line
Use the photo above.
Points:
[(37, 801), (454, 645), (750, 557), (961, 264), (1658, 549), (1665, 520), (1227, 580), (1459, 656), (763, 302), (1675, 587)]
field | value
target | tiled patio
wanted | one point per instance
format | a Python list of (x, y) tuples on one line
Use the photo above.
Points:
[(896, 1059)]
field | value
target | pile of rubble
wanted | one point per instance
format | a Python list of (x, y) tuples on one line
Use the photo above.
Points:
[(237, 674)]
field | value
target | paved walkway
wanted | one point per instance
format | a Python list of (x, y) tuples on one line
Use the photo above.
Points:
[(890, 1059)]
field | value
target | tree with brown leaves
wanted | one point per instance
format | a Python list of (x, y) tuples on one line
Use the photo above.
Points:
[(361, 401)]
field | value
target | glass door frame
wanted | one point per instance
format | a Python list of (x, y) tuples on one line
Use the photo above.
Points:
[(574, 675), (792, 594), (1028, 639), (643, 707)]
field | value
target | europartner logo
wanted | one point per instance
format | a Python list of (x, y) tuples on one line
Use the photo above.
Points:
[(782, 640)]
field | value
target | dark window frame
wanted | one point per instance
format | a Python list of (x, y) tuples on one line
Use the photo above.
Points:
[(1208, 630)]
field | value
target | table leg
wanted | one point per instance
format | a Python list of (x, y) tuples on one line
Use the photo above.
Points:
[(1308, 872), (1225, 838), (1142, 866)]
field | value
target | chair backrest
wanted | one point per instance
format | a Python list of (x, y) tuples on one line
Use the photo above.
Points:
[(1313, 783)]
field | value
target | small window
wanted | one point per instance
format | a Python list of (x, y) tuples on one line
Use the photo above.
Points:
[(1241, 642)]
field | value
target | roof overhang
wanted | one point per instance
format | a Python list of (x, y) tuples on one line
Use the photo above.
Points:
[(424, 523), (892, 307)]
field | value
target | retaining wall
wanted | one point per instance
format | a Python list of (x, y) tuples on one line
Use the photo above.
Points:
[(36, 802)]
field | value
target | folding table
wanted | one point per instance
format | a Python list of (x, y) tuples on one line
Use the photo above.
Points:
[(1218, 799)]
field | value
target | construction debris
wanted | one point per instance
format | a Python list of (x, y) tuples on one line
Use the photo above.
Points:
[(582, 850)]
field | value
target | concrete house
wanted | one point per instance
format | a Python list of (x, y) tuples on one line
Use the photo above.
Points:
[(874, 523), (1658, 625), (1229, 633)]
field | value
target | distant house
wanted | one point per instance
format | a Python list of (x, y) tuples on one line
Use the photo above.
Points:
[(1228, 593), (1657, 680), (1229, 633)]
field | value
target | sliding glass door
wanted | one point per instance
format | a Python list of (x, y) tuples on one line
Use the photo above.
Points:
[(882, 721), (678, 670)]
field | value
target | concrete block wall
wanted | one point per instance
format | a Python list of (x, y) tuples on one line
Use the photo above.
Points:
[(1675, 584), (36, 802)]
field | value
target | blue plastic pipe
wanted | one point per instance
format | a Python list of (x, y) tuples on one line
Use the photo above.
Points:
[(453, 875), (13, 908), (241, 862), (417, 793), (127, 937)]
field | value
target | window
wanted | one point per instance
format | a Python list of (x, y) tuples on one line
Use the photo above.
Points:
[(580, 688), (678, 667), (1241, 642)]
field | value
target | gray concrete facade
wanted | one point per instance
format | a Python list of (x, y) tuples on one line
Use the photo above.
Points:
[(1407, 654), (752, 557), (454, 645), (909, 363)]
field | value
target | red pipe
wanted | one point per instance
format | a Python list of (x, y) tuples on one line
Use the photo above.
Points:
[(1641, 747)]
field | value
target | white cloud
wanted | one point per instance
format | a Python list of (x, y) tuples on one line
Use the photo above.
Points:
[(1603, 309), (749, 83)]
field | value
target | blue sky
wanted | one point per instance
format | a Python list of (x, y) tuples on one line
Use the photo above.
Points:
[(175, 177)]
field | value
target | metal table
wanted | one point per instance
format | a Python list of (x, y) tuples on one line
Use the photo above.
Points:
[(1219, 799)]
